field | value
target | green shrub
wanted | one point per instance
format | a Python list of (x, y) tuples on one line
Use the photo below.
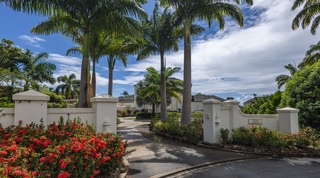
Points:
[(144, 115), (197, 115), (224, 135), (272, 140), (171, 127)]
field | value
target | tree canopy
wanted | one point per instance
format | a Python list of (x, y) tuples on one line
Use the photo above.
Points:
[(302, 92)]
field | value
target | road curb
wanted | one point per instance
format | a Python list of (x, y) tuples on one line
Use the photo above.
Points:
[(199, 166)]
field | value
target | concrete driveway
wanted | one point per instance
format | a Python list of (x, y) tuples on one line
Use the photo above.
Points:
[(152, 156)]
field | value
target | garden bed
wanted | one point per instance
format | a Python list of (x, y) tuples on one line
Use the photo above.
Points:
[(281, 152), (67, 149)]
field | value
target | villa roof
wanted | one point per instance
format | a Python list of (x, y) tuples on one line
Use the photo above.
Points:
[(200, 98)]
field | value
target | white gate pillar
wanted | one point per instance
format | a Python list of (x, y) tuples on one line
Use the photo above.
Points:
[(288, 120), (105, 108), (30, 106), (211, 121)]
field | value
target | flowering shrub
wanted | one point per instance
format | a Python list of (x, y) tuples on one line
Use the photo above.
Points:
[(263, 137), (66, 149), (171, 127)]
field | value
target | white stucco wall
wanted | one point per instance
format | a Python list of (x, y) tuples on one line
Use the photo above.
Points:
[(85, 114), (228, 115)]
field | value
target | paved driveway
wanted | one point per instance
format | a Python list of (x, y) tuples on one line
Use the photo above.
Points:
[(159, 157)]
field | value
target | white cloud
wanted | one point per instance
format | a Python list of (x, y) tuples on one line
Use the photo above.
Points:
[(68, 60), (243, 60), (32, 40)]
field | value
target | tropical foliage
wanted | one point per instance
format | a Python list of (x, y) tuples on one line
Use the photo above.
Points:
[(87, 17), (69, 86), (273, 141), (310, 14), (266, 104), (302, 92), (311, 56), (171, 127), (37, 70), (190, 11), (283, 79), (148, 90), (22, 70)]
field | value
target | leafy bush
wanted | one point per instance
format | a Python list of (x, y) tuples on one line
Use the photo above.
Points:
[(66, 149), (171, 127), (262, 137), (224, 134), (144, 115), (197, 115), (302, 92)]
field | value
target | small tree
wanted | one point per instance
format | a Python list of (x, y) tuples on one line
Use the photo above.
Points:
[(302, 92)]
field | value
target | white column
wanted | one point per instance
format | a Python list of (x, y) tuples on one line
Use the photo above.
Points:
[(30, 106), (234, 110), (105, 108), (211, 121), (288, 120)]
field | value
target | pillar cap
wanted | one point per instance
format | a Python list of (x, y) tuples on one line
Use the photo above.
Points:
[(30, 95), (288, 110), (231, 102), (211, 101), (104, 98)]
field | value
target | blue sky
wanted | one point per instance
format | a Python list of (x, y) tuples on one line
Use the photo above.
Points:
[(233, 62)]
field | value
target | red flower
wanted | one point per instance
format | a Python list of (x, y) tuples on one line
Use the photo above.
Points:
[(42, 159), (17, 172), (3, 153), (34, 173), (64, 174)]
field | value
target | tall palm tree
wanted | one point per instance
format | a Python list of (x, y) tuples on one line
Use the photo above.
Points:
[(190, 11), (161, 34), (283, 79), (87, 17), (117, 49), (310, 13), (312, 56), (69, 86), (148, 90), (37, 70), (96, 52)]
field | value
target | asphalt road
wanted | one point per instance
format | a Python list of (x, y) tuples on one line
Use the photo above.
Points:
[(159, 157)]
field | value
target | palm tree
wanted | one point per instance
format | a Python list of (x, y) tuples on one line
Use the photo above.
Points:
[(96, 52), (312, 56), (87, 17), (161, 34), (310, 13), (37, 70), (283, 79), (189, 11), (148, 90), (117, 49), (69, 86)]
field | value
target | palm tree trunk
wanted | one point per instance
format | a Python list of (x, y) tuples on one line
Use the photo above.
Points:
[(186, 104), (94, 77), (111, 67), (163, 91), (153, 108), (84, 72)]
